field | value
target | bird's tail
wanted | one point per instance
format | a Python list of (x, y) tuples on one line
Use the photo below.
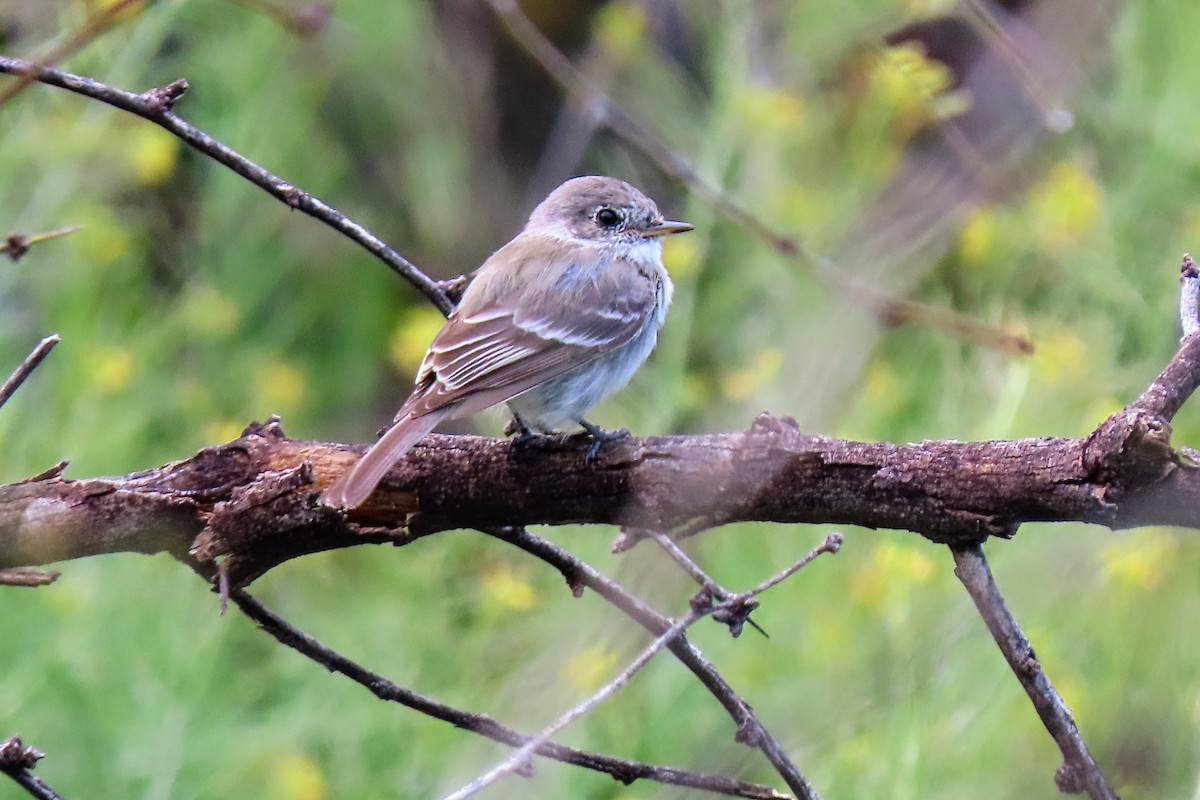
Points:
[(356, 484)]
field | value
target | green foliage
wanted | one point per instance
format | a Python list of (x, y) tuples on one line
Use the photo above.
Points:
[(192, 303)]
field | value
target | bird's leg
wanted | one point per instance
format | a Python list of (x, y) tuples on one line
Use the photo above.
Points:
[(524, 434), (599, 437)]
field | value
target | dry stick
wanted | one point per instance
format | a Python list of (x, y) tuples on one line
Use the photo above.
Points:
[(16, 760), (580, 575), (90, 29), (689, 566), (1078, 772), (31, 578), (1181, 377), (832, 544), (17, 245), (307, 19), (155, 106), (620, 769), (1162, 399), (21, 373), (520, 758), (702, 606), (22, 577), (604, 111), (1189, 280)]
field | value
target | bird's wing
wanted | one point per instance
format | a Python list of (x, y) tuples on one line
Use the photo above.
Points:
[(493, 349)]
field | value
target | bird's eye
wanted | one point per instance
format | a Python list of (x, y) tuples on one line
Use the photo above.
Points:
[(607, 217)]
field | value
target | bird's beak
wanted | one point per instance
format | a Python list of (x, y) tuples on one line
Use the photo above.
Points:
[(665, 227)]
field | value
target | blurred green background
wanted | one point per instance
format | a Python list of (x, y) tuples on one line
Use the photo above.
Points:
[(192, 303)]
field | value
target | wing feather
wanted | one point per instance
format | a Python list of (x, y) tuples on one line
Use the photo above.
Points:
[(506, 336)]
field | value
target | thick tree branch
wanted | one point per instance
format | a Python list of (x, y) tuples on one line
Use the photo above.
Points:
[(252, 501)]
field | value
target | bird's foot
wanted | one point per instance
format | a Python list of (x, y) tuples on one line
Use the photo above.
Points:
[(599, 437), (522, 434)]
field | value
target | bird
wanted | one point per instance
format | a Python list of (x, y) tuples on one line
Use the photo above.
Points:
[(551, 323)]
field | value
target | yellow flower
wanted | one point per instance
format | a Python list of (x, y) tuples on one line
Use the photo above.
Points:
[(978, 237), (915, 87), (279, 386), (296, 777), (220, 431), (1139, 562), (772, 110), (680, 256), (882, 390), (741, 384), (411, 338), (1063, 207), (589, 669), (892, 568), (1060, 357), (503, 587), (209, 314), (103, 241), (152, 153), (620, 26), (111, 368)]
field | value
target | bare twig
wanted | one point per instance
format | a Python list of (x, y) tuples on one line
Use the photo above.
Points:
[(1189, 290), (94, 26), (620, 769), (17, 245), (689, 566), (520, 758), (580, 575), (1175, 384), (155, 106), (26, 368), (736, 607), (1078, 772), (832, 544), (303, 19), (603, 110), (16, 761), (28, 577)]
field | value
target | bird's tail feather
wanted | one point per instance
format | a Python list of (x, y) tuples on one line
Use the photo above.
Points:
[(356, 484)]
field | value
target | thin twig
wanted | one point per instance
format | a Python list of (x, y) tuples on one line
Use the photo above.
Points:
[(520, 757), (89, 30), (832, 544), (28, 577), (304, 19), (155, 106), (17, 245), (1181, 377), (16, 761), (1189, 290), (579, 575), (22, 372), (620, 769), (1078, 772), (689, 566), (603, 110)]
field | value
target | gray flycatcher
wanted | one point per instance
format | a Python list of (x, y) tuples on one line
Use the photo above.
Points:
[(551, 323)]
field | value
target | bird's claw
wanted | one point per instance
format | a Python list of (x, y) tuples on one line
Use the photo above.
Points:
[(599, 438)]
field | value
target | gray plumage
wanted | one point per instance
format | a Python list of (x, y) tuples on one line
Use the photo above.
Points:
[(555, 320)]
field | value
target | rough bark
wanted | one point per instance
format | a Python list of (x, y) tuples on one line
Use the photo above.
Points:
[(251, 504)]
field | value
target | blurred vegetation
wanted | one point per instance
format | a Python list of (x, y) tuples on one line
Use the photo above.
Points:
[(192, 303)]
